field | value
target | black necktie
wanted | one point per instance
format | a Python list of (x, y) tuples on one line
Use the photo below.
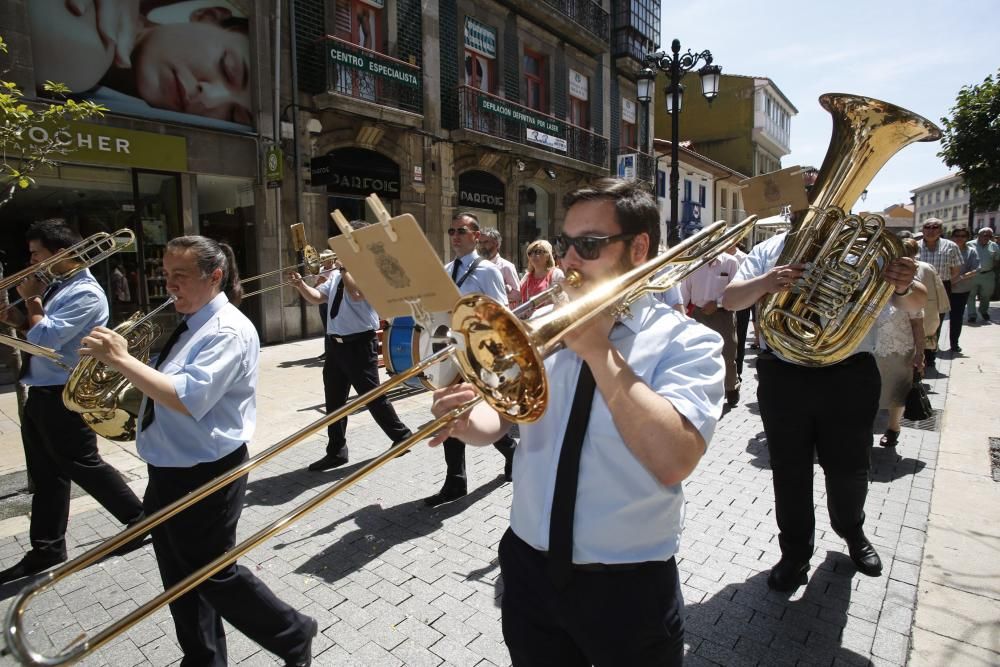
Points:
[(25, 357), (338, 296), (150, 412), (454, 270), (567, 475)]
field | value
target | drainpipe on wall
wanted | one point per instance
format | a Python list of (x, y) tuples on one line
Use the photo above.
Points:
[(296, 156), (276, 110)]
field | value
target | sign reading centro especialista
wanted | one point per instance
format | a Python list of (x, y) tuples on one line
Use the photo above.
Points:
[(501, 108), (102, 144), (383, 69)]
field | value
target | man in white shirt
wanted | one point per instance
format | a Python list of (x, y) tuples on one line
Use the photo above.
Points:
[(488, 247), (588, 562), (702, 292)]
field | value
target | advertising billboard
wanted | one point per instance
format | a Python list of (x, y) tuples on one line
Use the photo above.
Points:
[(183, 61)]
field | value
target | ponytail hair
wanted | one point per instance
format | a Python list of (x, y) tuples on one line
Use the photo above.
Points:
[(211, 255)]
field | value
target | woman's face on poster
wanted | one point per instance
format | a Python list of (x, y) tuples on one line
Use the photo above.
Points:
[(199, 68)]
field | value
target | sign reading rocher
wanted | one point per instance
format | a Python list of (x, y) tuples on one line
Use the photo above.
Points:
[(102, 144)]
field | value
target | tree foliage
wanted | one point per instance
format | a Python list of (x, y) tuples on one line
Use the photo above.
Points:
[(20, 155), (971, 141)]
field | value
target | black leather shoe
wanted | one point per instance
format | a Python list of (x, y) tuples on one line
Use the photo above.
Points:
[(328, 462), (399, 441), (306, 658), (31, 564), (733, 397), (865, 557), (447, 494), (131, 546), (787, 575)]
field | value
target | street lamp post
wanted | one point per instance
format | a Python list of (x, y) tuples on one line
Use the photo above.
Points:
[(675, 65)]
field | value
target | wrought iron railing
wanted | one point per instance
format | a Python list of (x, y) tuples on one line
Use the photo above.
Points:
[(368, 75), (644, 163), (587, 13), (482, 112)]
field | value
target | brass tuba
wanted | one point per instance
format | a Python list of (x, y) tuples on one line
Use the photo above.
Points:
[(824, 318)]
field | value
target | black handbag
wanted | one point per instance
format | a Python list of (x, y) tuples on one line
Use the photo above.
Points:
[(918, 406)]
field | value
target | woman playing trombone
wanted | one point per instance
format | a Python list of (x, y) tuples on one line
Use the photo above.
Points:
[(198, 413)]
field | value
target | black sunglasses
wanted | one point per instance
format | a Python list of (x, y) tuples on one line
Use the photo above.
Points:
[(461, 230), (932, 226), (587, 247)]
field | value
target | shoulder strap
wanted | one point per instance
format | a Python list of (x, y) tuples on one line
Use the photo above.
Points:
[(468, 272)]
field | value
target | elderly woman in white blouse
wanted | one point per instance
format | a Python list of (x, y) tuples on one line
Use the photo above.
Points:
[(899, 352)]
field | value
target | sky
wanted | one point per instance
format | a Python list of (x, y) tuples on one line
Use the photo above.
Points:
[(915, 54)]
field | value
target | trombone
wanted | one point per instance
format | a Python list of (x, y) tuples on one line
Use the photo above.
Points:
[(80, 256), (498, 353)]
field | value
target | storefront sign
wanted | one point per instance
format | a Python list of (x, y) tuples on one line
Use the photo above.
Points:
[(274, 167), (628, 111), (479, 189), (380, 68), (578, 85), (480, 38), (101, 144), (548, 140), (520, 114), (418, 174), (356, 171)]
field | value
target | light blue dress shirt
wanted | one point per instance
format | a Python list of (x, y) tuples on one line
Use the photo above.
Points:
[(353, 317), (486, 279), (763, 257), (214, 367), (623, 514), (78, 306)]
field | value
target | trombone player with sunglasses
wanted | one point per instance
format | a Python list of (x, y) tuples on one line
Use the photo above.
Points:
[(588, 562)]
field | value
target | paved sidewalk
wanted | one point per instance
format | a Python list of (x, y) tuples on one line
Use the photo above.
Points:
[(394, 583)]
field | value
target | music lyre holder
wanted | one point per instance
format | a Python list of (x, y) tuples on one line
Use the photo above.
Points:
[(395, 265)]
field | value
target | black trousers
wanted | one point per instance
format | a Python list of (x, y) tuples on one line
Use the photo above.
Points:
[(195, 537), (828, 412), (454, 457), (742, 324), (60, 448), (603, 618), (957, 301), (355, 363)]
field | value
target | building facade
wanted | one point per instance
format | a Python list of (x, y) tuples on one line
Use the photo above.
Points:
[(499, 108), (179, 150), (948, 199), (285, 112), (747, 127), (709, 191)]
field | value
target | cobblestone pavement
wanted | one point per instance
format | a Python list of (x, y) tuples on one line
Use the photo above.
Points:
[(394, 583)]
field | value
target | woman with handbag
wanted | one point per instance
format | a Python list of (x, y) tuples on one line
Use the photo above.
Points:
[(899, 354)]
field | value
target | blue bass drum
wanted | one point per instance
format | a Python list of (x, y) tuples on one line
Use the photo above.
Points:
[(408, 343)]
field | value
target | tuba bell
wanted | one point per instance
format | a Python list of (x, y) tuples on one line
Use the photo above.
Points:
[(827, 314)]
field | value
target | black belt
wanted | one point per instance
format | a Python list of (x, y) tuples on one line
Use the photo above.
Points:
[(593, 567), (47, 388), (849, 361), (350, 338)]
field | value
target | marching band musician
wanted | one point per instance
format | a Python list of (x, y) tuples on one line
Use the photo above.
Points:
[(351, 358), (472, 273), (588, 561), (198, 413), (59, 447), (829, 410)]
